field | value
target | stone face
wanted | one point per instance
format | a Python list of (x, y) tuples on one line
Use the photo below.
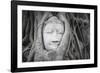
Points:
[(52, 33)]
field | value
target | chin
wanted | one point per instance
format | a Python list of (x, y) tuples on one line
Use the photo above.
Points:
[(53, 49)]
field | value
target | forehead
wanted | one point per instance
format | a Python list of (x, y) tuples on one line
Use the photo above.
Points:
[(54, 23), (54, 26)]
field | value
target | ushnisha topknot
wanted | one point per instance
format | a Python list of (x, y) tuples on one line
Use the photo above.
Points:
[(54, 20)]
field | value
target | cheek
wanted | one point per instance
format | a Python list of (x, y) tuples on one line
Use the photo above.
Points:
[(46, 38), (59, 36)]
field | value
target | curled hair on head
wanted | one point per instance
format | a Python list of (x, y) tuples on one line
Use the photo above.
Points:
[(54, 20)]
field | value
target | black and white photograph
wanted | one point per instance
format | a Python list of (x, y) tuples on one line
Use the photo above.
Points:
[(51, 36)]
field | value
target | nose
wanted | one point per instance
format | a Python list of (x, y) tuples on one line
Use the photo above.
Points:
[(55, 36)]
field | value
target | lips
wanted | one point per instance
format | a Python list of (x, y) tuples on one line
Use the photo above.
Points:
[(54, 43)]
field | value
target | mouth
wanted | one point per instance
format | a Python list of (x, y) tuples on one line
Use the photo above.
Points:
[(55, 43)]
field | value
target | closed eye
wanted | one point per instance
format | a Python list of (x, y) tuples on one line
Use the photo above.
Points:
[(60, 32)]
